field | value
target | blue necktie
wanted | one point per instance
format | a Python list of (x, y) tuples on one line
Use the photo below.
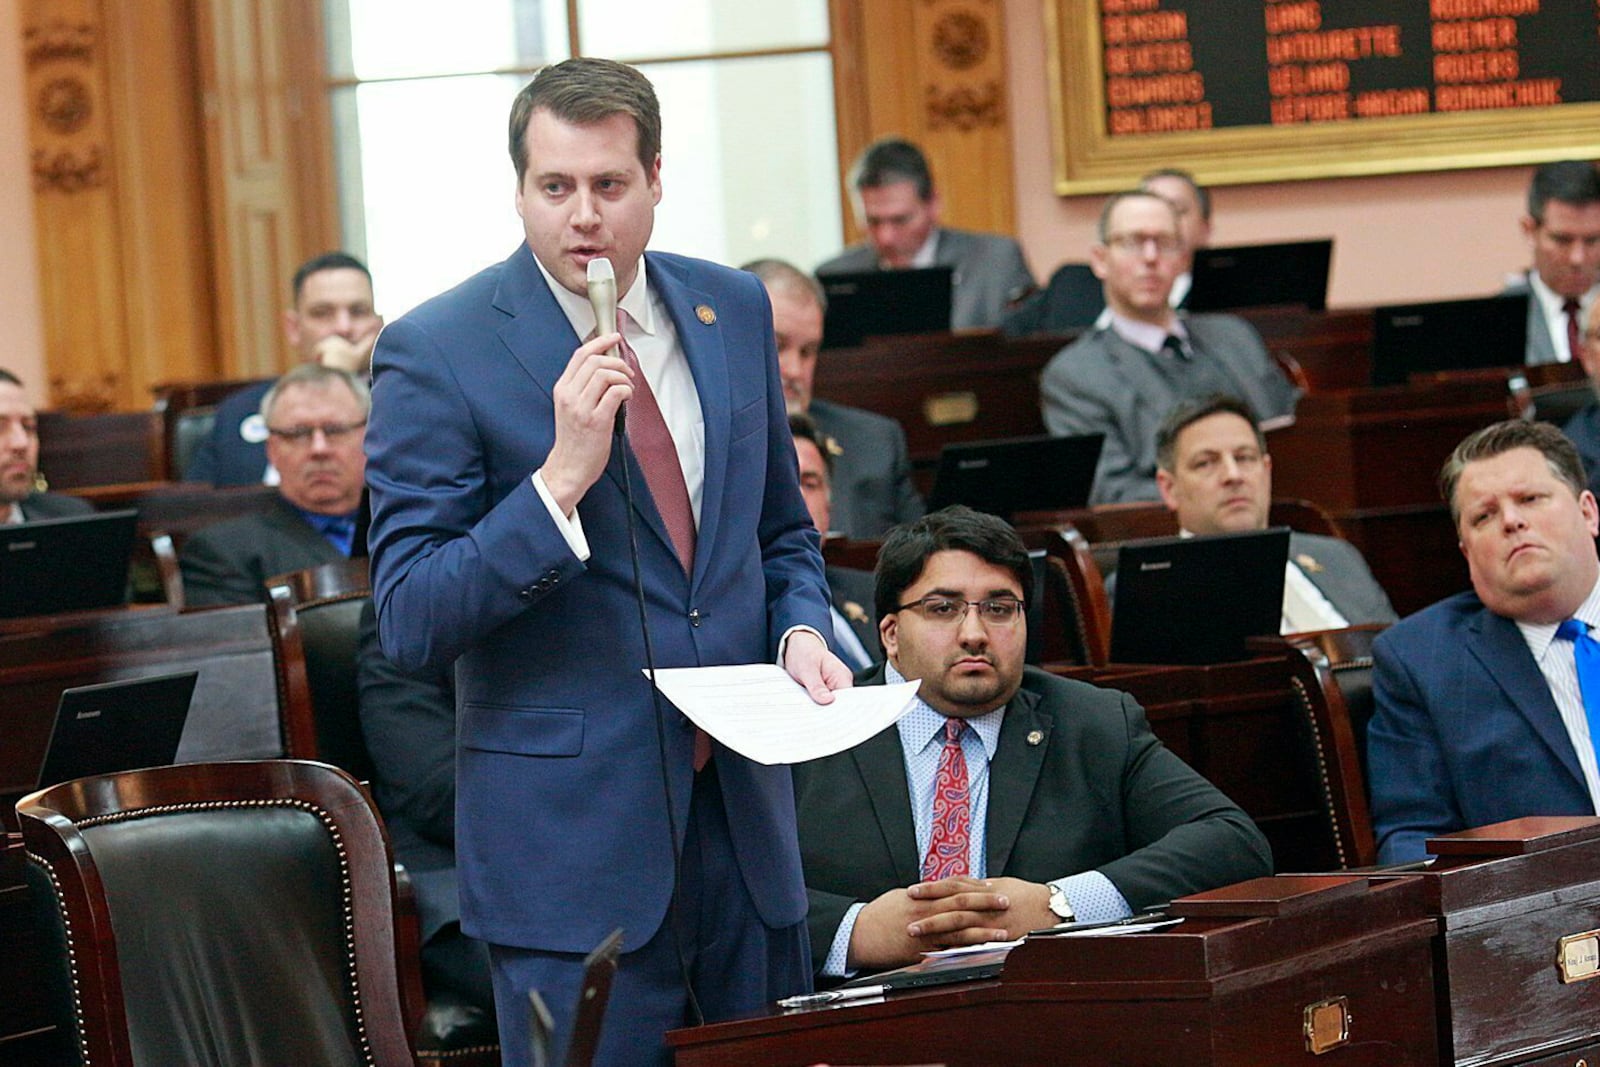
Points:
[(1586, 652)]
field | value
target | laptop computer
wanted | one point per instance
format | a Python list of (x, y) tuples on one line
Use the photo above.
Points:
[(1244, 276), (1017, 474), (877, 303), (56, 565), (1196, 599), (1448, 335), (117, 726)]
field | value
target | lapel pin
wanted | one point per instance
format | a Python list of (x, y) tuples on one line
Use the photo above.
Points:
[(833, 445), (854, 612), (704, 313), (1307, 564), (1035, 737)]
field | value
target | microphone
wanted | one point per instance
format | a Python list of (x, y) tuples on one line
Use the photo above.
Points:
[(603, 298)]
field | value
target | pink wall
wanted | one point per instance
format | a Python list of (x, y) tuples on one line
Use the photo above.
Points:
[(21, 330), (1405, 237)]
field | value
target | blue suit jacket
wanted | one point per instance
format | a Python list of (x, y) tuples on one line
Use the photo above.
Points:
[(562, 831), (1465, 733)]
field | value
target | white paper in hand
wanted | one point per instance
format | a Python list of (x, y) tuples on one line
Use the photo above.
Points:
[(761, 713)]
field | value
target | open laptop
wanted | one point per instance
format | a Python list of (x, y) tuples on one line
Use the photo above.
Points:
[(117, 726), (1448, 335), (877, 303), (56, 565), (1196, 599), (1246, 276), (1017, 474)]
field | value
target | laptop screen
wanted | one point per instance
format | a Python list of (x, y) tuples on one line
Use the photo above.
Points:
[(57, 565), (1196, 599), (878, 303), (1245, 276), (117, 726), (1448, 335), (1018, 474)]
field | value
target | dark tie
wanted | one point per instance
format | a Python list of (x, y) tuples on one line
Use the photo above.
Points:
[(1586, 653), (658, 458), (1574, 333), (652, 446), (952, 811), (1173, 346)]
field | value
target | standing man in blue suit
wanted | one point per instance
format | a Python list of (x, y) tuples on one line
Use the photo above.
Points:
[(500, 541), (1480, 715)]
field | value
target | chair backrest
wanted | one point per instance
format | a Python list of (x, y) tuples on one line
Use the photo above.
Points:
[(1071, 300), (1077, 614), (1339, 705), (223, 913), (316, 622), (187, 411)]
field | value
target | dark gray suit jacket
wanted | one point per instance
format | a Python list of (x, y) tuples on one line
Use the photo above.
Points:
[(1102, 384), (1338, 570), (990, 273), (871, 477), (36, 506), (230, 562), (851, 591), (1077, 783)]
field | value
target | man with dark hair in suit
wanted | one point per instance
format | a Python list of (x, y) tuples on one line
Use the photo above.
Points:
[(21, 498), (316, 418), (855, 633), (1121, 379), (1583, 428), (515, 534), (1215, 475), (331, 321), (1562, 226), (1007, 799), (1482, 704), (898, 206), (868, 461), (1192, 202)]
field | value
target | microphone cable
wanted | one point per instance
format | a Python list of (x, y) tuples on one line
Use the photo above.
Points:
[(624, 448)]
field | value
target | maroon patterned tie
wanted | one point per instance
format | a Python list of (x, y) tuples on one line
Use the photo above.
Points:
[(652, 446), (1574, 334), (658, 457), (952, 813)]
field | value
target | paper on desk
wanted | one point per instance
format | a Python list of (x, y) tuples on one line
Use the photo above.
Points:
[(760, 712)]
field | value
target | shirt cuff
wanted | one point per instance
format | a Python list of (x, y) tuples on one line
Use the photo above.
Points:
[(783, 642), (1093, 897), (839, 952), (571, 529)]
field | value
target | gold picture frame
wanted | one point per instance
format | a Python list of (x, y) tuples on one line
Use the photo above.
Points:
[(1088, 160)]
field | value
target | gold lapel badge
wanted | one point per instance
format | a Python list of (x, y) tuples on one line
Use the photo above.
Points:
[(1035, 737), (704, 313), (855, 612), (1307, 564)]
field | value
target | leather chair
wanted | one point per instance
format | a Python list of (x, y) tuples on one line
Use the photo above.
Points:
[(187, 411), (222, 913), (315, 622), (1335, 685), (315, 619)]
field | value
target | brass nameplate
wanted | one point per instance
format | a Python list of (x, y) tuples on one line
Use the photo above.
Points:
[(1327, 1025), (1578, 956), (950, 409)]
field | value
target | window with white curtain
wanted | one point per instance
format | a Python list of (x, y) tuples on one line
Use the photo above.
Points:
[(421, 90)]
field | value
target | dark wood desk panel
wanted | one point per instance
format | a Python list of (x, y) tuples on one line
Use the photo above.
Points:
[(28, 1034), (77, 450), (1227, 988)]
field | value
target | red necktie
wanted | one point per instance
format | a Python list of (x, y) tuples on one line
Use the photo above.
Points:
[(1574, 334), (652, 446), (952, 813), (658, 458)]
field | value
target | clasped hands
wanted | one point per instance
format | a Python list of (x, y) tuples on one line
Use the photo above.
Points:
[(902, 924)]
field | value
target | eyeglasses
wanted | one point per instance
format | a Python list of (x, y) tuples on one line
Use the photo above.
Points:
[(1133, 244), (996, 611), (300, 436)]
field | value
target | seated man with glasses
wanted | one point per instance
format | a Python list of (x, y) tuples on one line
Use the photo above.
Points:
[(316, 420), (1007, 799), (1123, 376)]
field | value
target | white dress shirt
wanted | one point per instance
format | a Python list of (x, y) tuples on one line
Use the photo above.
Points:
[(1557, 661), (1555, 319)]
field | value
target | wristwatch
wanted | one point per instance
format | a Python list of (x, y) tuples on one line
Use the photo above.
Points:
[(1060, 904)]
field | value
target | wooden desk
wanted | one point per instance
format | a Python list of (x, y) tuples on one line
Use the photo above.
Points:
[(29, 1037), (1229, 987)]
